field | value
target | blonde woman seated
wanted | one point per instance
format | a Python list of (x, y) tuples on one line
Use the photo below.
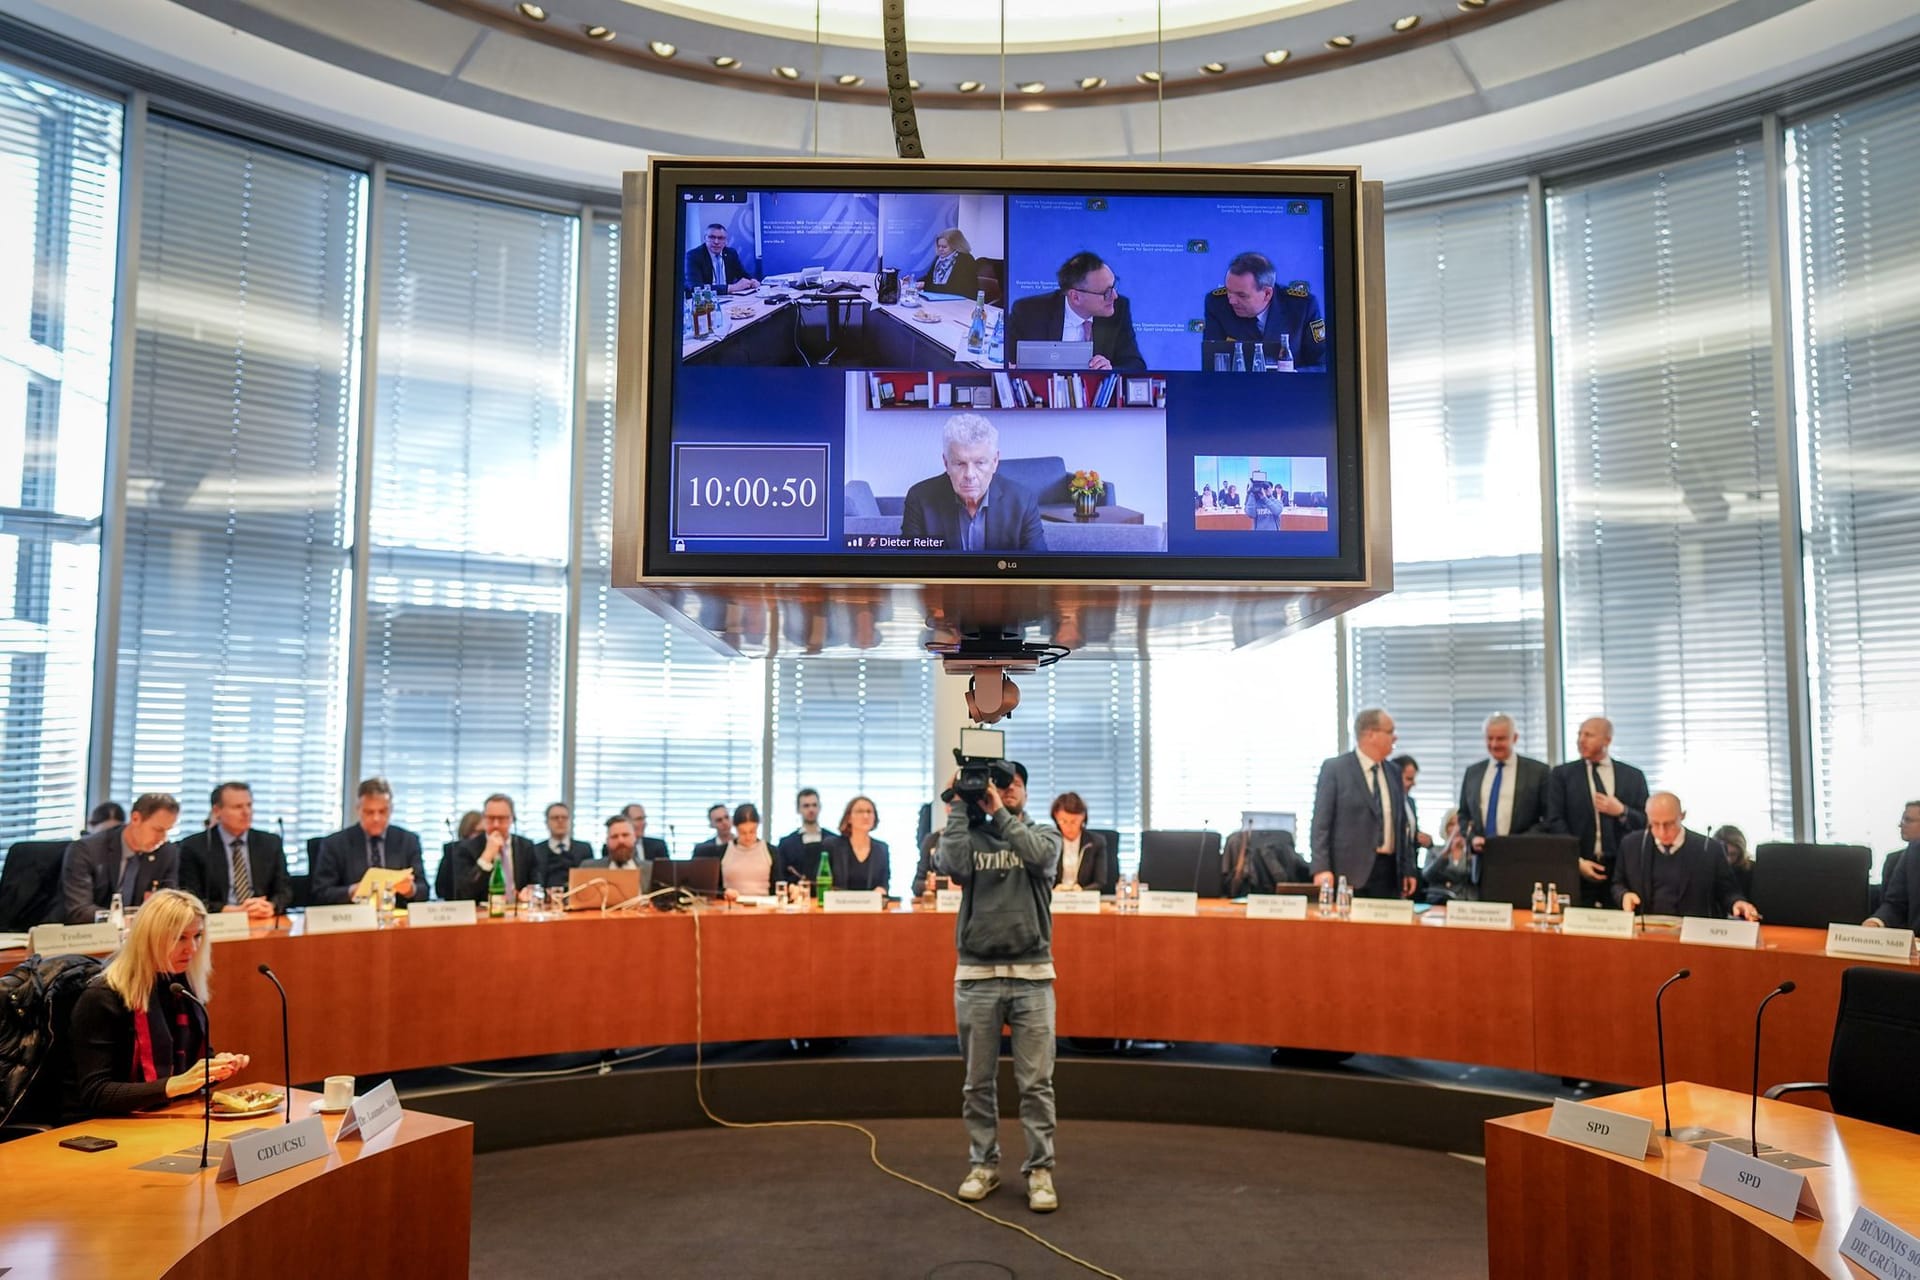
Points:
[(133, 1044), (858, 860)]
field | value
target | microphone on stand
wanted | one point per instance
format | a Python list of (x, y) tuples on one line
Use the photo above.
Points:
[(1660, 1033), (1753, 1124), (286, 1052), (181, 992)]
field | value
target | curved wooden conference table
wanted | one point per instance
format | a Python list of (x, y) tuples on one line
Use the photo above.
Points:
[(400, 998)]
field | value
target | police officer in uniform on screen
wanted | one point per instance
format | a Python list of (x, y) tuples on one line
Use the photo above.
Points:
[(1250, 307)]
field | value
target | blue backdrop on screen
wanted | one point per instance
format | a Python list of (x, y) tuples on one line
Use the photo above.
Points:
[(1285, 415), (909, 222), (739, 218), (766, 406), (1168, 251), (836, 230)]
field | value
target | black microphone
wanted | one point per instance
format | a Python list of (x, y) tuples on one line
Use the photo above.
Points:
[(286, 1051), (1660, 1034), (180, 992), (1753, 1123)]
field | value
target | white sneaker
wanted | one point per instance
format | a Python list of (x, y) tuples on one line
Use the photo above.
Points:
[(1041, 1197), (981, 1182)]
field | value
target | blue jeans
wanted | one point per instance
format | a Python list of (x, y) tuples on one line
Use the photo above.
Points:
[(981, 1007)]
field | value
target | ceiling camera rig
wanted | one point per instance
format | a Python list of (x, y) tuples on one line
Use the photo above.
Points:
[(987, 659)]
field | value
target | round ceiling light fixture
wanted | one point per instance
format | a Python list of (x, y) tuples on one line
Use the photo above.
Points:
[(787, 73), (849, 80), (1340, 42), (598, 32), (663, 48), (1471, 6), (1407, 23), (1213, 68), (969, 86), (1093, 82), (532, 12), (725, 63), (1148, 77), (1274, 57), (1034, 86)]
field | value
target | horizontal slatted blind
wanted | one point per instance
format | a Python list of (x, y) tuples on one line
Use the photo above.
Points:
[(1078, 729), (233, 627), (1669, 503)]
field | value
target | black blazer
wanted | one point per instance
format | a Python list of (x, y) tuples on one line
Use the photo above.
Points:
[(647, 848), (710, 849), (1708, 887), (90, 874), (929, 846), (1570, 809), (1093, 861), (850, 873), (1041, 318), (1900, 892), (1528, 779), (964, 279), (102, 1080), (932, 510), (700, 266), (1295, 314), (553, 871), (342, 860), (795, 860), (204, 871), (470, 881)]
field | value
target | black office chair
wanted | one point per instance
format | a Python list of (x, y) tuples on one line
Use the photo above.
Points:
[(1876, 1041), (1111, 881), (30, 884), (1811, 885), (831, 326), (36, 1004), (1184, 860)]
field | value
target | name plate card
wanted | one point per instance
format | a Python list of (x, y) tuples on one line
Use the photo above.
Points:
[(1720, 933), (1767, 1187), (372, 1112), (1381, 911), (1479, 915), (1075, 902), (1880, 1247), (1596, 922), (228, 926), (947, 901), (264, 1151), (72, 939), (348, 919), (853, 902), (1622, 1135), (1169, 902), (439, 915), (1871, 944), (1276, 906)]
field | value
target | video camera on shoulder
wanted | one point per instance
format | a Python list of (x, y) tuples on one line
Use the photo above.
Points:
[(982, 757)]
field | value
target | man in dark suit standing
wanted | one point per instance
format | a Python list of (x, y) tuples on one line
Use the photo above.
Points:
[(720, 818), (1360, 827), (1087, 307), (1598, 800), (560, 853), (797, 856), (650, 847), (475, 857), (1250, 307), (232, 867), (967, 507), (716, 264), (1667, 870), (1505, 794), (373, 841), (131, 860)]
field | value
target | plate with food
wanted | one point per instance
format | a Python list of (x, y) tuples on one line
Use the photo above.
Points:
[(741, 313), (244, 1102), (923, 316)]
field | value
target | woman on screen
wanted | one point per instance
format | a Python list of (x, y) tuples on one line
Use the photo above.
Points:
[(134, 1044), (858, 860), (746, 867), (1083, 854), (952, 269)]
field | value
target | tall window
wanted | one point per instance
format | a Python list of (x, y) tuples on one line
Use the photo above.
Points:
[(472, 443), (1854, 183), (59, 222), (1669, 501), (1461, 635), (664, 720), (1078, 729), (239, 501)]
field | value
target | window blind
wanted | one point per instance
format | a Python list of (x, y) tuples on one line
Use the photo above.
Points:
[(59, 223), (469, 509), (1078, 729), (233, 619), (1669, 515), (1853, 186)]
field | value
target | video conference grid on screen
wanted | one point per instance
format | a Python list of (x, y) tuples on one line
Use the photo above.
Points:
[(990, 373)]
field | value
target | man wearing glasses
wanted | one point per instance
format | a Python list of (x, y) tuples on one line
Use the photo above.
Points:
[(1087, 307)]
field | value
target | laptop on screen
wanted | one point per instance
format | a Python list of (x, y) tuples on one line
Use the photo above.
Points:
[(1052, 355)]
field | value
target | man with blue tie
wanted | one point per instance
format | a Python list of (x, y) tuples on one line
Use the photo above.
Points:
[(343, 857), (1505, 794), (1360, 827), (131, 860), (713, 262)]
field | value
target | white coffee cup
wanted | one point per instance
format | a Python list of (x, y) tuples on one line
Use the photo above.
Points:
[(339, 1093)]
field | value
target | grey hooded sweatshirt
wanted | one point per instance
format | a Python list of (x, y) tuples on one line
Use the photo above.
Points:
[(1005, 867)]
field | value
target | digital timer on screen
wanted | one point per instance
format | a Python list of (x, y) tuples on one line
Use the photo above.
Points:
[(749, 490)]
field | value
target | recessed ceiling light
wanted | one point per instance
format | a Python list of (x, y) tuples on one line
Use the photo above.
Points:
[(1093, 82), (913, 84), (1213, 68), (849, 79), (1274, 57), (787, 73), (663, 49), (598, 32), (969, 86), (1468, 6), (1034, 86), (533, 12), (1340, 42), (1407, 23), (1148, 77), (725, 63)]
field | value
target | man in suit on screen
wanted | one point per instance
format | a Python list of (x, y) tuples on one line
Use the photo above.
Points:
[(1251, 307), (1087, 307), (1360, 826), (1667, 870), (232, 867), (1599, 801), (967, 507), (1505, 794), (714, 262)]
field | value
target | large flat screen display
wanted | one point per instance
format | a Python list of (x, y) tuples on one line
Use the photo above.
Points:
[(919, 373)]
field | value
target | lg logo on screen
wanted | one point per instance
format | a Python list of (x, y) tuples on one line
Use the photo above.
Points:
[(1007, 564)]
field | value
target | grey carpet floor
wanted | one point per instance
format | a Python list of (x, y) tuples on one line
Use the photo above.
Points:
[(1140, 1200)]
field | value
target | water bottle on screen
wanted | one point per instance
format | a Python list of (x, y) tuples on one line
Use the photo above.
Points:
[(1283, 358), (1326, 899), (997, 347), (1539, 906), (977, 327), (1239, 357), (1343, 899), (1259, 357)]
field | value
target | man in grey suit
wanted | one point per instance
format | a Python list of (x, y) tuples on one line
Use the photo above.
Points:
[(132, 860), (1505, 794), (1360, 827)]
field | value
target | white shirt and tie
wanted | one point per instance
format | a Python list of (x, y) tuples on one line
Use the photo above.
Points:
[(1074, 327), (1604, 770), (239, 872), (719, 268), (1499, 817), (1377, 786)]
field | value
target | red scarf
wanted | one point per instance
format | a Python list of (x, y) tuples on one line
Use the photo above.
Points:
[(143, 1041)]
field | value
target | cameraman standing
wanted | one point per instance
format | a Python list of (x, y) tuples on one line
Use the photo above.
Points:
[(1005, 867)]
